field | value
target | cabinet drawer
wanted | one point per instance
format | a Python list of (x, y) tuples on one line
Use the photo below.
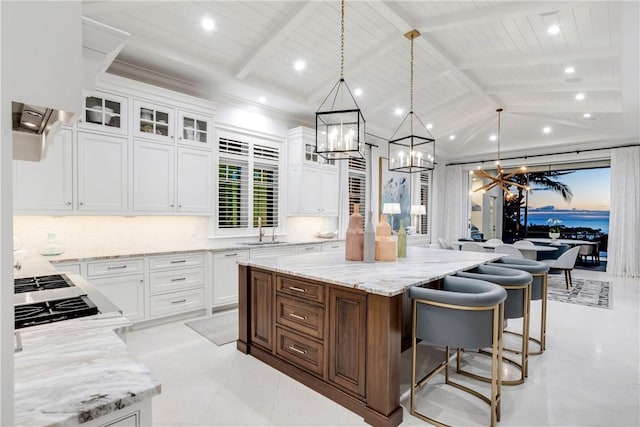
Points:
[(68, 268), (175, 261), (124, 266), (174, 280), (301, 316), (307, 249), (275, 252), (309, 291), (176, 302), (299, 350), (333, 246)]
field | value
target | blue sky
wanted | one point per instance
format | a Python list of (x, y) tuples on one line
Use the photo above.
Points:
[(590, 189)]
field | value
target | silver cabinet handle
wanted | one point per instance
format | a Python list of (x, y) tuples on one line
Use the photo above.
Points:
[(297, 316), (230, 255), (297, 289), (118, 267), (297, 350), (69, 203), (308, 248), (179, 279), (178, 261), (179, 301), (81, 203)]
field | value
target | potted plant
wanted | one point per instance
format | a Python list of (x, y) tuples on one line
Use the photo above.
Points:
[(554, 228)]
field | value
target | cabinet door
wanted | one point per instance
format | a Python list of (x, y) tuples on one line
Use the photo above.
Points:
[(194, 180), (153, 177), (153, 121), (46, 185), (225, 276), (194, 129), (329, 191), (104, 112), (262, 294), (310, 201), (127, 292), (102, 172), (347, 351)]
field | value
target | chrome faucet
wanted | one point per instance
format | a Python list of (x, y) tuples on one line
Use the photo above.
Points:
[(260, 230), (273, 235)]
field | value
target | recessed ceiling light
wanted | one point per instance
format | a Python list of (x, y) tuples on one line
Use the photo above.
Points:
[(579, 96), (452, 137), (299, 65), (429, 126), (587, 115), (357, 92), (398, 111), (208, 24), (262, 100), (546, 129), (553, 29), (493, 137), (569, 70)]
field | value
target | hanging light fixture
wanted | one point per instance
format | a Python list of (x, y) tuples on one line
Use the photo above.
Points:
[(500, 179), (412, 147), (339, 121)]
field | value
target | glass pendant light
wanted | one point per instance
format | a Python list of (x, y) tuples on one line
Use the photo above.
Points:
[(340, 125), (412, 147)]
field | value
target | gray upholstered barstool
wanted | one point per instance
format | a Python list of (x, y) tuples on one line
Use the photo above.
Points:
[(539, 271), (518, 286), (465, 313)]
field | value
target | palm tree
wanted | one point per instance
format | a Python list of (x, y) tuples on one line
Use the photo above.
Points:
[(544, 181)]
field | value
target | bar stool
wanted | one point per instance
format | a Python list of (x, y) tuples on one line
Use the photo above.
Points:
[(465, 313), (517, 305), (539, 271)]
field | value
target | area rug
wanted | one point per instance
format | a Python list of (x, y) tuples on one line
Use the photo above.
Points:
[(592, 293), (220, 329)]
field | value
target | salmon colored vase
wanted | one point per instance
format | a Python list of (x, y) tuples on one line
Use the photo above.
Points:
[(385, 245), (354, 245)]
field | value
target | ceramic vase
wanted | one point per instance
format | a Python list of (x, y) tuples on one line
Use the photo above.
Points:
[(554, 236), (369, 239), (354, 245), (385, 245), (402, 241)]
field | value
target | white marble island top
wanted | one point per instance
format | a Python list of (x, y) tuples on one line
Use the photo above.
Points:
[(422, 265), (74, 371)]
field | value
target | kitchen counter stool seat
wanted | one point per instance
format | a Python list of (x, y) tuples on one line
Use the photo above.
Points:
[(539, 271), (517, 305), (465, 313)]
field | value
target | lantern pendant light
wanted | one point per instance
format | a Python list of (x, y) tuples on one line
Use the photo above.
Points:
[(412, 147), (340, 125)]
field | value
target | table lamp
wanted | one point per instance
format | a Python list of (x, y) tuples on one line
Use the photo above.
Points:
[(391, 209), (418, 210)]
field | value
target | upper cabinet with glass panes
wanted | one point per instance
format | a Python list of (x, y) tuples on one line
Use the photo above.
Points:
[(105, 112), (194, 129), (153, 121), (302, 148)]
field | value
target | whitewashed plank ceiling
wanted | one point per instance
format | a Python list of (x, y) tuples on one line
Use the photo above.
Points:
[(472, 57)]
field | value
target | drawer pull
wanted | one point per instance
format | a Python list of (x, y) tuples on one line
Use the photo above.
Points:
[(297, 289), (231, 254), (116, 267), (297, 316), (180, 261), (179, 279), (309, 248), (297, 350), (179, 301)]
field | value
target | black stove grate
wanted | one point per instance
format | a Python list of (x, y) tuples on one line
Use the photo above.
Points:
[(41, 283), (53, 311)]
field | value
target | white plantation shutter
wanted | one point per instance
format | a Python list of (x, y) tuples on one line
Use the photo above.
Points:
[(358, 185), (424, 200), (265, 185)]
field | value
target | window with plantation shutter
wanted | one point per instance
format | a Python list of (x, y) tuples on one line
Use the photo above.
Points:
[(424, 200), (358, 184), (248, 183)]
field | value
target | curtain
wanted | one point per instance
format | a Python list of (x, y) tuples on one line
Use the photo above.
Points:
[(455, 206), (623, 253)]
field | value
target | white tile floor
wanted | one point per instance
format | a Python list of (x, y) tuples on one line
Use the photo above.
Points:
[(589, 376)]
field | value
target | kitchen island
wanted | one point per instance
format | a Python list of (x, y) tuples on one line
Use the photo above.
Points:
[(337, 326)]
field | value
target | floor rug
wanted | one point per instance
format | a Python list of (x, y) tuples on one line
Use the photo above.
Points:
[(220, 329), (592, 293)]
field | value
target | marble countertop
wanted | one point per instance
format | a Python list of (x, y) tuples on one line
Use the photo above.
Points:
[(73, 371), (421, 266)]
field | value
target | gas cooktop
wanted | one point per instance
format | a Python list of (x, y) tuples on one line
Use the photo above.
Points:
[(41, 283)]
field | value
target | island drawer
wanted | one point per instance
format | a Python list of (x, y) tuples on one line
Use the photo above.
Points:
[(299, 350), (301, 289), (174, 280), (124, 266), (176, 302), (301, 316), (176, 261)]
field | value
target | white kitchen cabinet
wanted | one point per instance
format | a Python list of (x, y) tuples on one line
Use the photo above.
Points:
[(48, 184), (273, 251), (313, 182), (194, 181), (225, 276), (153, 177), (125, 291), (105, 112), (153, 121), (102, 172), (195, 129), (309, 248), (334, 245)]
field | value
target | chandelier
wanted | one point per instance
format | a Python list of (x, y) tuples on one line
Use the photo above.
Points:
[(408, 150), (339, 121), (501, 179)]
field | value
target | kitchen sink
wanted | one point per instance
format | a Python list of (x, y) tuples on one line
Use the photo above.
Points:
[(262, 243)]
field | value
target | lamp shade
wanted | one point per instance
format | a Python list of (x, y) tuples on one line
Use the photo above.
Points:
[(418, 210), (391, 208)]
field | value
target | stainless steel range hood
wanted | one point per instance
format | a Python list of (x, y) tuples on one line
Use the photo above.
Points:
[(33, 128)]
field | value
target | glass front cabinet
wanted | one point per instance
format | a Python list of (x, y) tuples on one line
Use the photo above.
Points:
[(105, 112), (194, 130), (153, 121)]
